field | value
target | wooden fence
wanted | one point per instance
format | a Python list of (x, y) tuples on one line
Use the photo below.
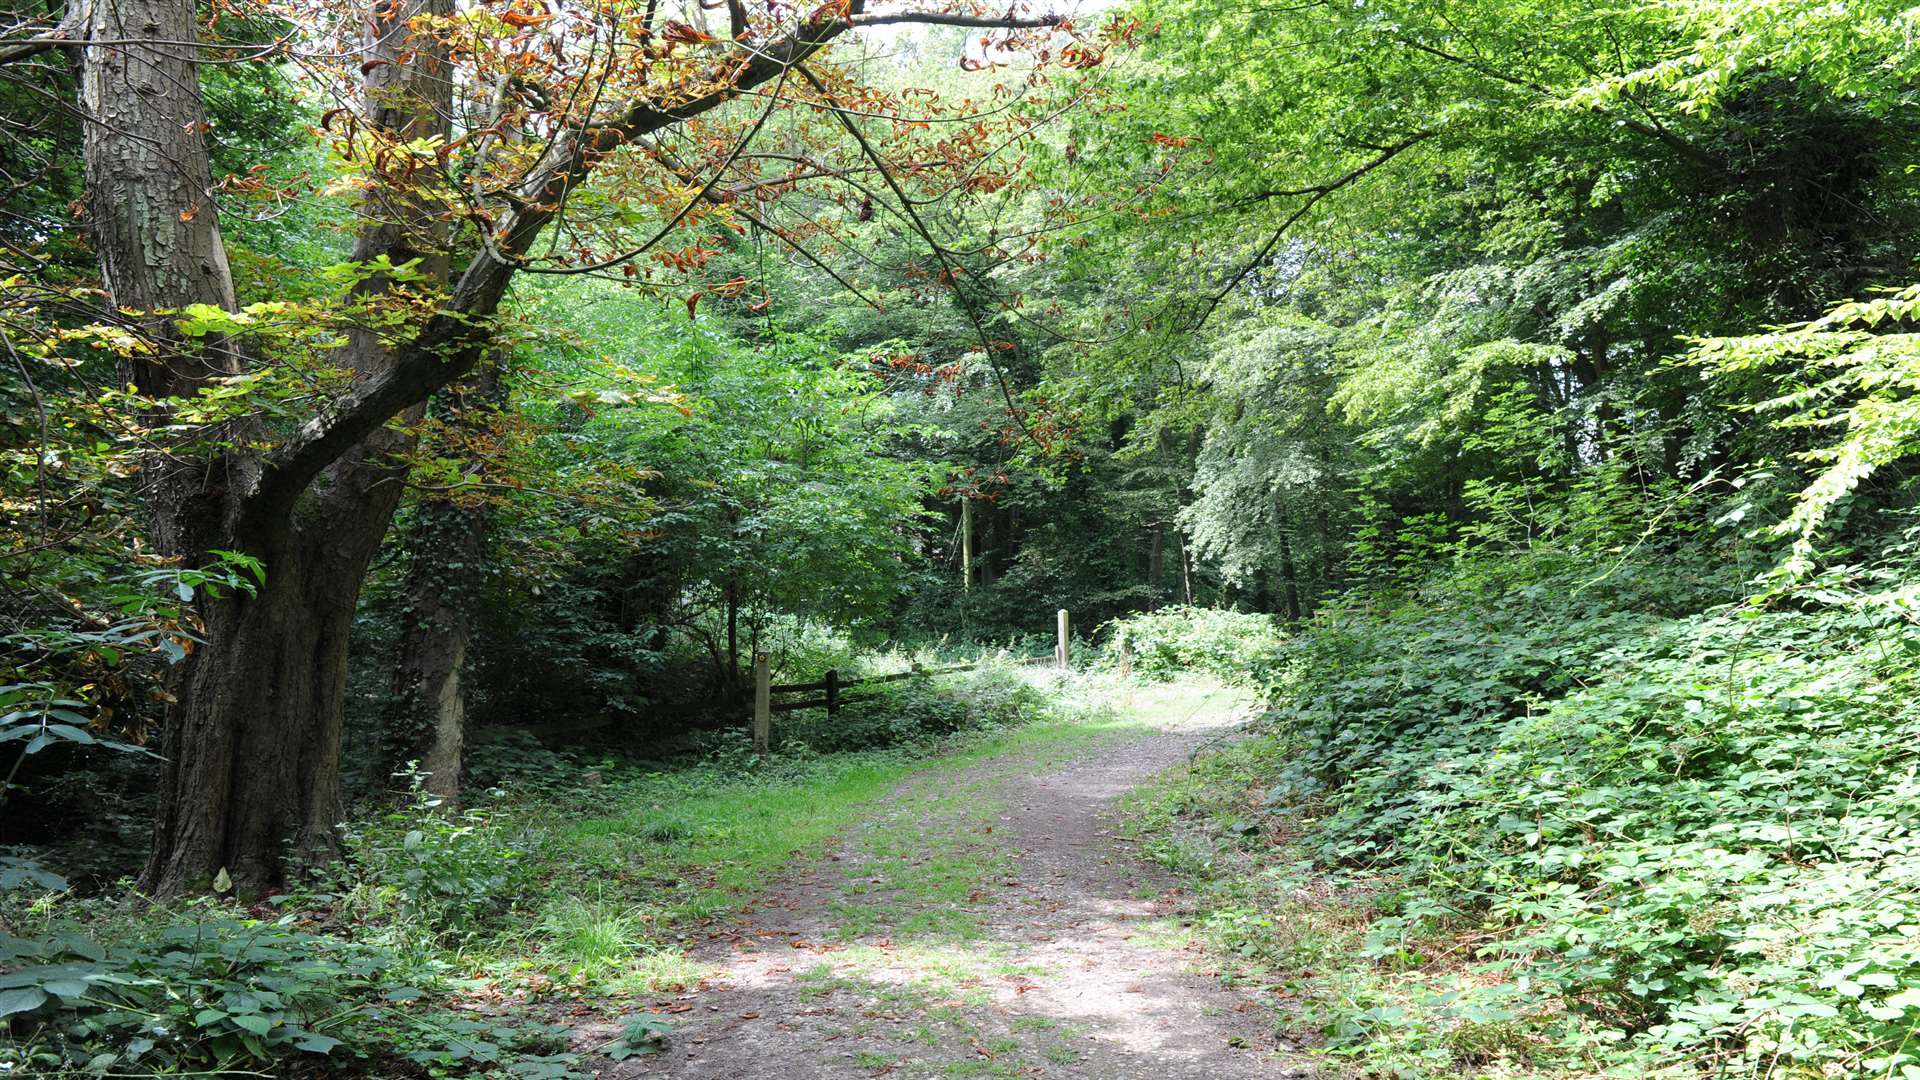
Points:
[(832, 688)]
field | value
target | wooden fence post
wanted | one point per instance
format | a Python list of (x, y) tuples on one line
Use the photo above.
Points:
[(762, 703), (966, 544), (833, 692), (1126, 658), (1060, 654)]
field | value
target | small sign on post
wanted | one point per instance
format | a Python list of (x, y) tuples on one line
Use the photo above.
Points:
[(762, 703), (1060, 654)]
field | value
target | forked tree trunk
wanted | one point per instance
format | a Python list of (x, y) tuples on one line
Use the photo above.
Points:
[(253, 742)]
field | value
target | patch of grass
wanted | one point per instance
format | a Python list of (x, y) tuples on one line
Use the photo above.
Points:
[(1061, 1054), (588, 936)]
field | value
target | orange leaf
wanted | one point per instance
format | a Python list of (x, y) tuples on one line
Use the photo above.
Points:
[(520, 20)]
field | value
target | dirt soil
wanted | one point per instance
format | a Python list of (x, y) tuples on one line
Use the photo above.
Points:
[(1065, 956)]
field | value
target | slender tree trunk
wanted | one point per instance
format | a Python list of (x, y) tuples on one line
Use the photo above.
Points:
[(427, 721), (1156, 562), (1186, 572), (445, 572), (1289, 579), (733, 637)]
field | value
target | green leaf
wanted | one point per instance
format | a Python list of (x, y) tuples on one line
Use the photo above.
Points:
[(66, 988), (254, 1022), (24, 999), (315, 1043)]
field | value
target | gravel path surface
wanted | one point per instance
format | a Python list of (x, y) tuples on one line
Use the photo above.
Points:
[(984, 922)]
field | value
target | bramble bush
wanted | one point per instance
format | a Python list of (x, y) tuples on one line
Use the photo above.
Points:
[(1236, 646)]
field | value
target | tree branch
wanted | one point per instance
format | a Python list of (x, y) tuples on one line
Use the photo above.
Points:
[(1313, 196), (1650, 128), (453, 339)]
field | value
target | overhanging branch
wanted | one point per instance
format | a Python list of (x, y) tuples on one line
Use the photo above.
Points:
[(453, 338), (1312, 195)]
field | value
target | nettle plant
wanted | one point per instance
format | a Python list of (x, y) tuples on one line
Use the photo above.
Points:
[(429, 870)]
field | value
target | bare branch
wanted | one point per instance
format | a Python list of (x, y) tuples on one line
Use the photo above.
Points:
[(1313, 196)]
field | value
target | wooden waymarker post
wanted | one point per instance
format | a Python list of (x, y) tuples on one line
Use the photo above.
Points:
[(833, 692), (966, 544), (762, 703), (1126, 659), (1060, 647)]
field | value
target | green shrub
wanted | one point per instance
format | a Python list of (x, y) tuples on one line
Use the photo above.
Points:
[(1236, 646), (1698, 835), (916, 712), (429, 870), (230, 995), (206, 996)]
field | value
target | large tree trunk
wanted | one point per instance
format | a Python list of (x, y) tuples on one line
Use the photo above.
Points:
[(157, 237), (252, 741)]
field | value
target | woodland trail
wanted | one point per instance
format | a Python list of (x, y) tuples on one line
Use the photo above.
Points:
[(984, 921)]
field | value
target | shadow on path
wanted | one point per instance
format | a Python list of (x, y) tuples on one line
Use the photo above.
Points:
[(984, 922)]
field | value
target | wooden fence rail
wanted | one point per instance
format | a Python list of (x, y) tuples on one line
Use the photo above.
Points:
[(832, 686)]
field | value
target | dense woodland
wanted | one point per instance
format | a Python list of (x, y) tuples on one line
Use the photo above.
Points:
[(418, 415)]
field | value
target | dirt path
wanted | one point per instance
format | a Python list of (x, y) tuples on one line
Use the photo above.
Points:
[(985, 922)]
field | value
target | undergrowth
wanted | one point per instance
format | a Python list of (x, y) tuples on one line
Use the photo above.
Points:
[(1234, 646), (431, 947), (1516, 820)]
